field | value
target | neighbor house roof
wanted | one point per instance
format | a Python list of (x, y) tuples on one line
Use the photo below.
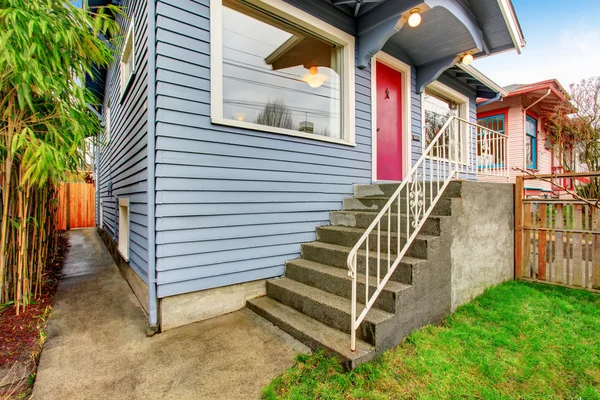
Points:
[(551, 91)]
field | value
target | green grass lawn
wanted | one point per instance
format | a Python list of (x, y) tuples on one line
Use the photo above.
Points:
[(517, 340)]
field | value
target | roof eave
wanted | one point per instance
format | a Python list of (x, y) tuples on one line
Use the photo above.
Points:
[(475, 73), (512, 23)]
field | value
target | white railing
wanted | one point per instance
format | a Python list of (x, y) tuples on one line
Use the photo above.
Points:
[(449, 155), (492, 152)]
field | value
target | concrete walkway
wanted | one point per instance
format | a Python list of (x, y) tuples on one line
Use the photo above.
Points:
[(96, 346)]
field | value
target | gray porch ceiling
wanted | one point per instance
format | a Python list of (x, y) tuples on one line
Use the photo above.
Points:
[(486, 12), (449, 29)]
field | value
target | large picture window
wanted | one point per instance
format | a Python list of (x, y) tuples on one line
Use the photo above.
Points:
[(279, 76), (531, 142)]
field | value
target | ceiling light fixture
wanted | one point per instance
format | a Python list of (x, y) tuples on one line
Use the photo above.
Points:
[(314, 79), (467, 59), (415, 18)]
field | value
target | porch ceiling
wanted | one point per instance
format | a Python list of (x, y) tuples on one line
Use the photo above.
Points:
[(440, 35), (448, 28)]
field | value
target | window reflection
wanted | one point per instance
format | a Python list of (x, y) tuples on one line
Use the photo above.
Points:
[(278, 75)]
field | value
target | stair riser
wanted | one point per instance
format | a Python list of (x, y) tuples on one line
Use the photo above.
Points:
[(388, 189), (330, 316), (342, 287), (308, 339), (442, 208), (403, 272), (358, 220), (417, 249)]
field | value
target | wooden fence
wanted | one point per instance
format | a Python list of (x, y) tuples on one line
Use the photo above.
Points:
[(557, 239), (76, 205)]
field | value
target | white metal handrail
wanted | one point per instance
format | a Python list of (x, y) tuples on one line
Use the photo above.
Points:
[(449, 155)]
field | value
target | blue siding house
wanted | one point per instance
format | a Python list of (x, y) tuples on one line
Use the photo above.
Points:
[(233, 128)]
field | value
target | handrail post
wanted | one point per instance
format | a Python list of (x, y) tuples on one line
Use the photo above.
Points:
[(519, 188), (353, 306)]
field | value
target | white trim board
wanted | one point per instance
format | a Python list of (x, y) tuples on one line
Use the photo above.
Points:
[(123, 240), (405, 72), (126, 80), (308, 22), (512, 24)]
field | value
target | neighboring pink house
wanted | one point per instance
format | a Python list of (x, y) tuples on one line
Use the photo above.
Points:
[(520, 116)]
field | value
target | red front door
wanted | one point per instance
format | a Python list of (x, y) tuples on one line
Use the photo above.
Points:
[(389, 123)]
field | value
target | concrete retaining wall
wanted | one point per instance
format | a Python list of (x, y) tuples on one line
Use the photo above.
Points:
[(483, 231)]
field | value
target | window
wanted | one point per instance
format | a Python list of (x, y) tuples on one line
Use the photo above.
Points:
[(127, 61), (273, 70), (489, 151), (493, 122), (124, 228), (531, 142), (440, 103)]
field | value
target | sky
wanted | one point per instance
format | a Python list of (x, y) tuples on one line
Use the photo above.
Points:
[(563, 42)]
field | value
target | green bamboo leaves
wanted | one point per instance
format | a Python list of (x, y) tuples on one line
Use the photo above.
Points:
[(47, 47)]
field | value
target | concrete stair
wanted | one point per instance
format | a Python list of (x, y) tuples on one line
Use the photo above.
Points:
[(313, 301)]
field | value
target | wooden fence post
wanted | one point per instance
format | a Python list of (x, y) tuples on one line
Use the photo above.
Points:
[(519, 188), (596, 251)]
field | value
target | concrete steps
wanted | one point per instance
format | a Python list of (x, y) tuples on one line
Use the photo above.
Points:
[(337, 256), (388, 189), (346, 236), (329, 308), (336, 280), (362, 219), (311, 332), (443, 206), (313, 301)]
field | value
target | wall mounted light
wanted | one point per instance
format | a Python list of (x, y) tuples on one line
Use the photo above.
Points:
[(415, 18), (467, 59), (314, 79)]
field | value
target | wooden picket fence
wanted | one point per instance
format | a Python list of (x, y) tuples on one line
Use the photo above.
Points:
[(76, 205), (557, 239)]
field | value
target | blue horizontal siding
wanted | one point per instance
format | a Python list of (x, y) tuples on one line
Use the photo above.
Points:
[(233, 204), (123, 160)]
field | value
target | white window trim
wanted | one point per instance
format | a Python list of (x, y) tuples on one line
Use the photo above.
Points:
[(126, 81), (123, 240), (460, 99), (312, 24), (405, 72), (107, 123), (101, 214)]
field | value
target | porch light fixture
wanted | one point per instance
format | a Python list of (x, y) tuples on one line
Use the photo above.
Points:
[(467, 59), (415, 18), (314, 79)]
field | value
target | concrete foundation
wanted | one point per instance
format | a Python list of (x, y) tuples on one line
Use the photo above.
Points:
[(482, 239), (198, 306)]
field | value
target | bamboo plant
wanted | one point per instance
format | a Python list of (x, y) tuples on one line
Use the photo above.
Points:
[(48, 48)]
